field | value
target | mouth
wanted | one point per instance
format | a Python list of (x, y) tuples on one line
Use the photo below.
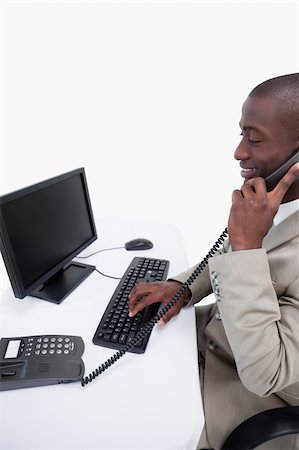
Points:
[(247, 174)]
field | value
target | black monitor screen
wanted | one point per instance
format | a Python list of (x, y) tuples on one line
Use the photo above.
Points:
[(45, 226)]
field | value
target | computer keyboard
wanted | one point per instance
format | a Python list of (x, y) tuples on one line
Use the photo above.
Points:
[(116, 328)]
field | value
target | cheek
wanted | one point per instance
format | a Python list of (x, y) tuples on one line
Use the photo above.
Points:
[(266, 161), (271, 164)]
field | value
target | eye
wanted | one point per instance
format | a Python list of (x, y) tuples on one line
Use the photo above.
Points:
[(250, 140), (253, 141)]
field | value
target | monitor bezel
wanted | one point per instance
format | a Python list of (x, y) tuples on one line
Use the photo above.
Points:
[(14, 274)]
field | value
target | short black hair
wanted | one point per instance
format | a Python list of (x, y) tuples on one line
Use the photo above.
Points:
[(284, 90), (282, 87)]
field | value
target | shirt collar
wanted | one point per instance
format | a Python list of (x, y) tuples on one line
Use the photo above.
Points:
[(285, 210)]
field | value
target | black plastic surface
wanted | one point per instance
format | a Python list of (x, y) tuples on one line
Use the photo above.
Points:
[(263, 427), (41, 361)]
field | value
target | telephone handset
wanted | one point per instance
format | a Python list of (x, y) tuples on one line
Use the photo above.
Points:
[(40, 361), (272, 180)]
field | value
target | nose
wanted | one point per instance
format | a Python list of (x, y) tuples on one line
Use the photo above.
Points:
[(241, 153)]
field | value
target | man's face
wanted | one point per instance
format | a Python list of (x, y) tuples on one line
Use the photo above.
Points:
[(265, 145)]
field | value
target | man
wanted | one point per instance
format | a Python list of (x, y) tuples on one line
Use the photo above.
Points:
[(248, 340)]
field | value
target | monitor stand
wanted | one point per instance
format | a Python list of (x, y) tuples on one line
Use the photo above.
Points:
[(60, 285)]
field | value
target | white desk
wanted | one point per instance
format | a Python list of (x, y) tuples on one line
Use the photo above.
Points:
[(149, 401)]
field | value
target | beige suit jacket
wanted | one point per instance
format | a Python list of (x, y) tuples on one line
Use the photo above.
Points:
[(248, 339)]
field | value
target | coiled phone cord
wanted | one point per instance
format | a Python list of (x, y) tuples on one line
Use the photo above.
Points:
[(152, 322)]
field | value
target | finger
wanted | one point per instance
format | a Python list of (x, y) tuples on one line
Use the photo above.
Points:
[(166, 318), (247, 191), (142, 303), (139, 290), (284, 184), (171, 313), (257, 186), (237, 196)]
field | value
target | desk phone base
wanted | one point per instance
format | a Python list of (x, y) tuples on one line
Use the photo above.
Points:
[(40, 361)]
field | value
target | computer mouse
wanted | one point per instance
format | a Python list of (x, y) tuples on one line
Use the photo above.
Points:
[(139, 244)]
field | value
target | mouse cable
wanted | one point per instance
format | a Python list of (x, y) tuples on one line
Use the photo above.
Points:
[(98, 251), (108, 276)]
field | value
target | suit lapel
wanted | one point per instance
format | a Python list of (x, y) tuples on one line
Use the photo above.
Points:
[(285, 231)]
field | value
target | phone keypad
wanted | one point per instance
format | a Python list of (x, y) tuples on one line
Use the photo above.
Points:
[(47, 346)]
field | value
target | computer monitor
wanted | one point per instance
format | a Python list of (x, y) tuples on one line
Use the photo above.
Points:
[(42, 228)]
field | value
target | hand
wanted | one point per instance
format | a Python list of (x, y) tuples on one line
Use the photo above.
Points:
[(144, 294), (253, 210)]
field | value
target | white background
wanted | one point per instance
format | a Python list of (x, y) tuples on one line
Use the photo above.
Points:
[(146, 95)]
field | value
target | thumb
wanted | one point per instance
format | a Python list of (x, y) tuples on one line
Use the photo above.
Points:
[(166, 318), (169, 315)]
